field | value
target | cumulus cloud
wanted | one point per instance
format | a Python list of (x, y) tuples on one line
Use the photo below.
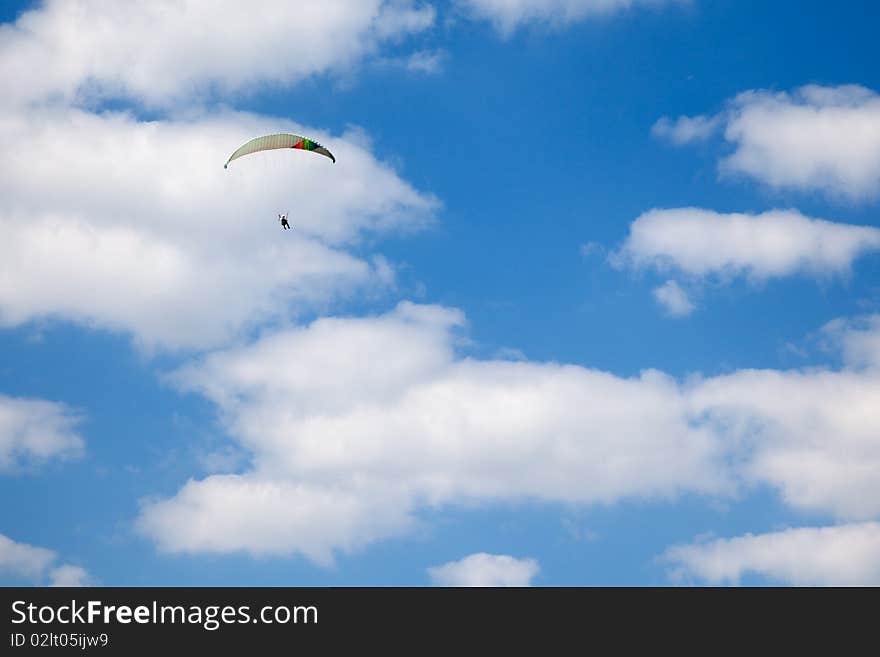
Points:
[(357, 425), (68, 575), (34, 430), (858, 339), (484, 569), (262, 514), (122, 224), (685, 129), (777, 243), (24, 559), (815, 138), (842, 555), (165, 51), (35, 563), (674, 299), (810, 434), (508, 15)]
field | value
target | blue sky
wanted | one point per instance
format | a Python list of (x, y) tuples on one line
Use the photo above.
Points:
[(591, 297)]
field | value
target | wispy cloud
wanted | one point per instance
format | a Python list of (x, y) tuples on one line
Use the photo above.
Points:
[(686, 129), (509, 15), (425, 61)]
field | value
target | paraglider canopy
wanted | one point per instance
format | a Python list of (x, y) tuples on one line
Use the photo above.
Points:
[(281, 140)]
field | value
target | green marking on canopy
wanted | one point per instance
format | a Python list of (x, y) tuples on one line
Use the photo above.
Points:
[(280, 140)]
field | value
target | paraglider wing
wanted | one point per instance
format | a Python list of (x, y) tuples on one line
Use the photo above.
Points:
[(282, 140)]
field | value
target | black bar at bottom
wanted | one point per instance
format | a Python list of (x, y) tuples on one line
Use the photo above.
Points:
[(417, 620)]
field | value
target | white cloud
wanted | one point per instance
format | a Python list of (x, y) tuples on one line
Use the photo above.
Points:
[(484, 569), (35, 563), (673, 299), (776, 243), (263, 514), (843, 555), (165, 51), (33, 430), (858, 338), (818, 138), (810, 434), (68, 575), (122, 224), (356, 425), (508, 15), (24, 559), (685, 129)]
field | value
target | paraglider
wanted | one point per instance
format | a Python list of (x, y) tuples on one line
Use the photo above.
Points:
[(276, 141), (282, 140)]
